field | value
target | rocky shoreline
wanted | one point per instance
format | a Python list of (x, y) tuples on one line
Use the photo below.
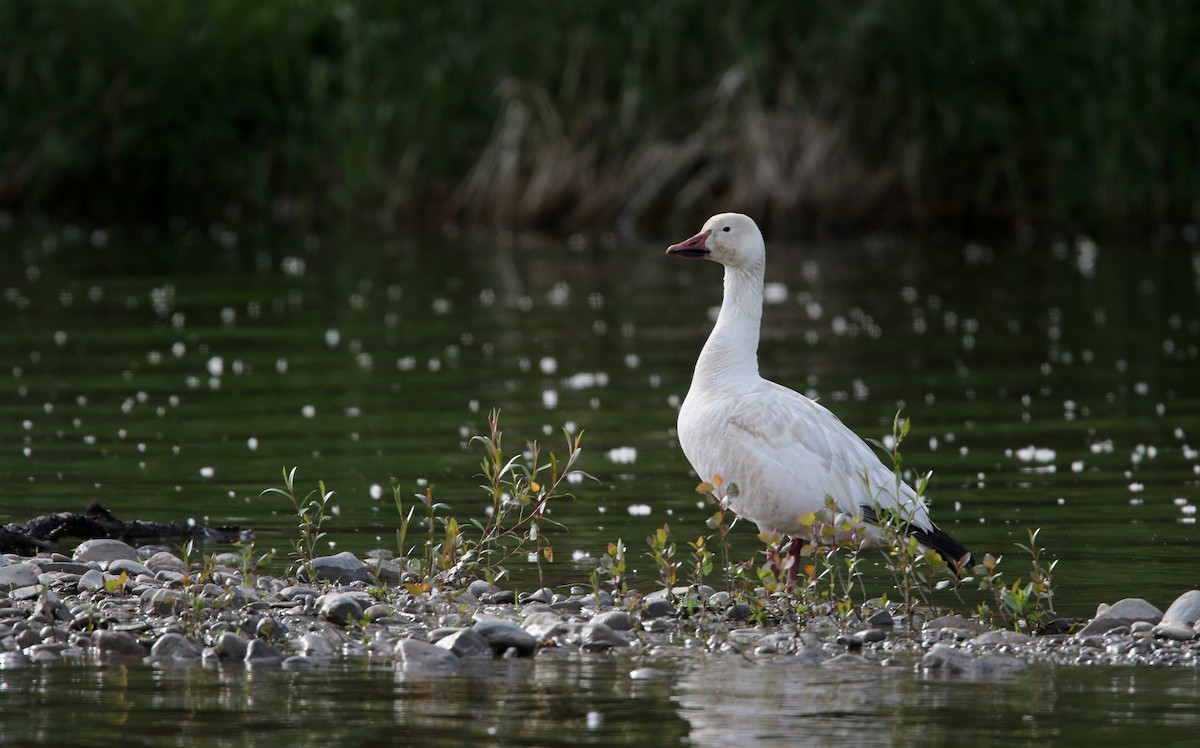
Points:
[(112, 602)]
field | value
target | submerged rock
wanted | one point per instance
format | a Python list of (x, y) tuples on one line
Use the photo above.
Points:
[(503, 635), (174, 647), (466, 643), (117, 643)]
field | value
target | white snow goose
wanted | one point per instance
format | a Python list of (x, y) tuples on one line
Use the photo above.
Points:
[(785, 452)]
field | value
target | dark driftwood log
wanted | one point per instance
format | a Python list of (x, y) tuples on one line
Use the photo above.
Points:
[(43, 533)]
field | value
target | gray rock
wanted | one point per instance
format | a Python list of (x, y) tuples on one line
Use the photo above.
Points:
[(298, 662), (174, 647), (481, 587), (544, 595), (720, 600), (104, 550), (66, 567), (238, 597), (165, 561), (1001, 636), (13, 660), (647, 673), (297, 592), (117, 643), (315, 644), (882, 619), (503, 634), (230, 646), (387, 572), (163, 601), (1122, 613), (947, 659), (617, 620), (597, 637), (846, 659), (19, 575), (466, 643), (340, 608), (869, 636), (544, 624), (1185, 609), (131, 568), (377, 611), (416, 656), (341, 568), (261, 652), (1175, 631), (599, 599), (657, 608), (269, 628)]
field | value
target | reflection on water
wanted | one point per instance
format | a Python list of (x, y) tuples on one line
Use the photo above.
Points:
[(1050, 386)]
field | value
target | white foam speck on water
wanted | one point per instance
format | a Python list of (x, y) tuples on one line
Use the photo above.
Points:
[(308, 411), (622, 455), (639, 510), (207, 472), (376, 491)]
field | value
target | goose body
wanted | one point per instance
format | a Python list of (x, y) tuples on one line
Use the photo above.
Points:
[(785, 452)]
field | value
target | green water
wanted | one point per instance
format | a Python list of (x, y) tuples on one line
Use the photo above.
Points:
[(174, 376)]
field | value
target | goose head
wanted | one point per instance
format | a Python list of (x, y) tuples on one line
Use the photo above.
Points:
[(731, 239)]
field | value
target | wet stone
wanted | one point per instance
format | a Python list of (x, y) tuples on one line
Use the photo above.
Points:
[(259, 651), (544, 624), (647, 673), (466, 643), (230, 646), (318, 645), (544, 595), (600, 599), (1174, 631), (298, 662), (617, 620), (657, 608), (174, 647), (882, 619), (870, 636), (416, 656), (503, 635), (846, 659), (481, 587), (597, 637)]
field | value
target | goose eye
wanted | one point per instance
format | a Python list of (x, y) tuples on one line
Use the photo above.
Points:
[(726, 229)]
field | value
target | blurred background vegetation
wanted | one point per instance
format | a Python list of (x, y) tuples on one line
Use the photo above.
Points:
[(602, 114)]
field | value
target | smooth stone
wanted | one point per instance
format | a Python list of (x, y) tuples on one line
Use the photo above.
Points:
[(1185, 609), (617, 620), (481, 587), (1001, 636), (238, 597), (544, 624), (340, 608), (26, 593), (163, 601), (597, 636), (296, 592), (1121, 614), (269, 628), (1174, 631), (19, 575), (657, 608), (314, 644), (544, 595), (262, 652), (298, 662), (601, 599), (416, 656), (720, 600), (131, 568), (66, 567), (377, 611), (882, 619), (503, 634), (52, 607), (1140, 627), (340, 568), (870, 636), (104, 550), (504, 597), (230, 646), (466, 643), (174, 647), (107, 641), (846, 658), (387, 572), (166, 561), (950, 660), (647, 673)]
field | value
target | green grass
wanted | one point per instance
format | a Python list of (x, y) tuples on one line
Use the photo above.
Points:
[(599, 113)]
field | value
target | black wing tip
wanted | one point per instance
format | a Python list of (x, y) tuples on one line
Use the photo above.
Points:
[(950, 549)]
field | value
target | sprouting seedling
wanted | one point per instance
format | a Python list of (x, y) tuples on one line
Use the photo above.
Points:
[(312, 515)]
